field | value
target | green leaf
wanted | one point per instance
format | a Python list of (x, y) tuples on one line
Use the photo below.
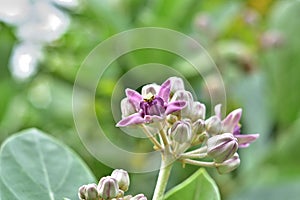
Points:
[(35, 166), (199, 186)]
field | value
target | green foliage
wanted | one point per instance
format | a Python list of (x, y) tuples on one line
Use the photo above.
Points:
[(286, 190), (283, 63), (199, 186), (36, 166)]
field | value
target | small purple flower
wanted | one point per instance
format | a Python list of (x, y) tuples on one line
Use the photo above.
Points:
[(231, 124), (151, 107)]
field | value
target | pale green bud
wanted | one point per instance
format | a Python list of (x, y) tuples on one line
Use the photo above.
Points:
[(200, 138), (120, 194), (122, 178), (199, 126), (229, 165), (172, 119), (108, 187), (221, 147), (181, 132), (213, 125), (91, 192)]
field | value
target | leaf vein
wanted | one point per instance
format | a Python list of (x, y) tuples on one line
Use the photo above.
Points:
[(44, 168)]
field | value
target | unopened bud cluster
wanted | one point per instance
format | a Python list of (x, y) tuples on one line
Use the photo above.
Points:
[(182, 125), (111, 187)]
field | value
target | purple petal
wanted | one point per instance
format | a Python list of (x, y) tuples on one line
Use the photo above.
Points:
[(175, 106), (127, 108), (164, 91), (232, 120), (245, 140), (134, 97), (133, 119)]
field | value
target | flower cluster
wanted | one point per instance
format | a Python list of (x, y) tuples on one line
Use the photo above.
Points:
[(180, 124), (110, 187)]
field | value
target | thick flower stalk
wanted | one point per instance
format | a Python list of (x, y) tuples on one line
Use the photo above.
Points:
[(175, 123)]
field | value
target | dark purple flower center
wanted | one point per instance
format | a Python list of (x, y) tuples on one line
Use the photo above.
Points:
[(153, 105), (237, 130)]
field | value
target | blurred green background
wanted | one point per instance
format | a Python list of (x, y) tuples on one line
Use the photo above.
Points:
[(255, 44)]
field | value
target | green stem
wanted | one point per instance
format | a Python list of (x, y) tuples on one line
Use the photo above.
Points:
[(157, 145), (198, 163), (162, 179), (196, 151), (163, 135), (199, 155)]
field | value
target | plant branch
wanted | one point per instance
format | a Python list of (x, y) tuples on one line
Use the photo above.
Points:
[(157, 145)]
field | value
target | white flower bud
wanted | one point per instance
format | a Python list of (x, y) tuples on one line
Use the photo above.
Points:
[(176, 84), (213, 125), (229, 165), (91, 192), (81, 192), (183, 95), (122, 178), (139, 197), (221, 147), (181, 132), (108, 187), (197, 111)]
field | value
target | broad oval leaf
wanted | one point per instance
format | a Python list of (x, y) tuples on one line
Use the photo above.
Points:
[(36, 166), (199, 186)]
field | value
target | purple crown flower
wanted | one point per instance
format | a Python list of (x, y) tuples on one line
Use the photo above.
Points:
[(231, 124), (153, 106)]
